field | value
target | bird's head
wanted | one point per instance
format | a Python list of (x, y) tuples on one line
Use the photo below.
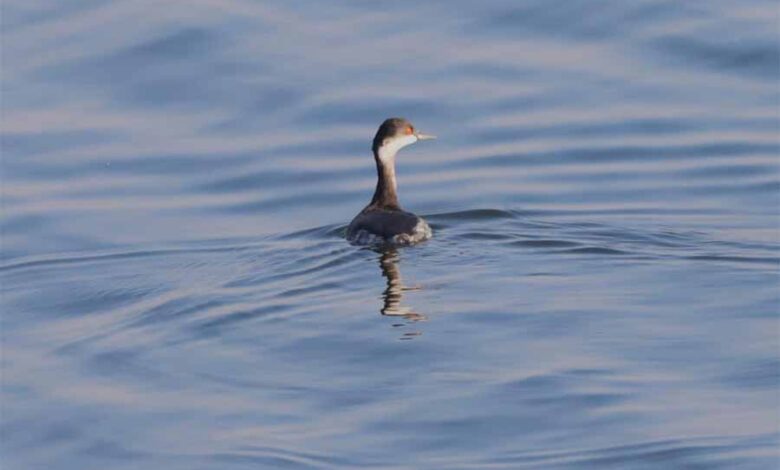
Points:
[(395, 134)]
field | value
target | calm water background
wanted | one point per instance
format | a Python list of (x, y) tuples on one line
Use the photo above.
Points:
[(601, 291)]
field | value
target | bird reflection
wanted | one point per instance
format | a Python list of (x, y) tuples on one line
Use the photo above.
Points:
[(394, 292)]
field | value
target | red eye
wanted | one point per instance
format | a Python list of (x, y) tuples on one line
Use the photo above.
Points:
[(410, 130)]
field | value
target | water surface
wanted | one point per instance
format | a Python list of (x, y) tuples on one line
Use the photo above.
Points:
[(601, 290)]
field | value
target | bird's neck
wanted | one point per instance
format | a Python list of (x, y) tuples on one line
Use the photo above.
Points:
[(386, 193)]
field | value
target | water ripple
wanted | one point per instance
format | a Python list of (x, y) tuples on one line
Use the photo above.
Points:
[(600, 290)]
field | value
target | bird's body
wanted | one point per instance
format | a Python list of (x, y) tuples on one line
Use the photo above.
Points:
[(398, 227), (383, 220)]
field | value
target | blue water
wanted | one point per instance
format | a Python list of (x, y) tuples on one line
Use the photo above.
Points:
[(601, 290)]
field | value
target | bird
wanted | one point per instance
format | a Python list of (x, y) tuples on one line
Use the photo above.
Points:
[(383, 221)]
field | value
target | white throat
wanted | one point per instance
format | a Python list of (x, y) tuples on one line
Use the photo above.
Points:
[(387, 152)]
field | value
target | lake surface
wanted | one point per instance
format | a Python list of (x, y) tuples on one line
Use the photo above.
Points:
[(601, 290)]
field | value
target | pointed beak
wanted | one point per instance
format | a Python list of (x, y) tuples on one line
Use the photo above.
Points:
[(421, 136)]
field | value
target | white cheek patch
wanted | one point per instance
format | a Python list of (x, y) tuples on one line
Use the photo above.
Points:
[(388, 150)]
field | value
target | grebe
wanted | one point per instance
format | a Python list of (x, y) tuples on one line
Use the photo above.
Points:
[(383, 220)]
